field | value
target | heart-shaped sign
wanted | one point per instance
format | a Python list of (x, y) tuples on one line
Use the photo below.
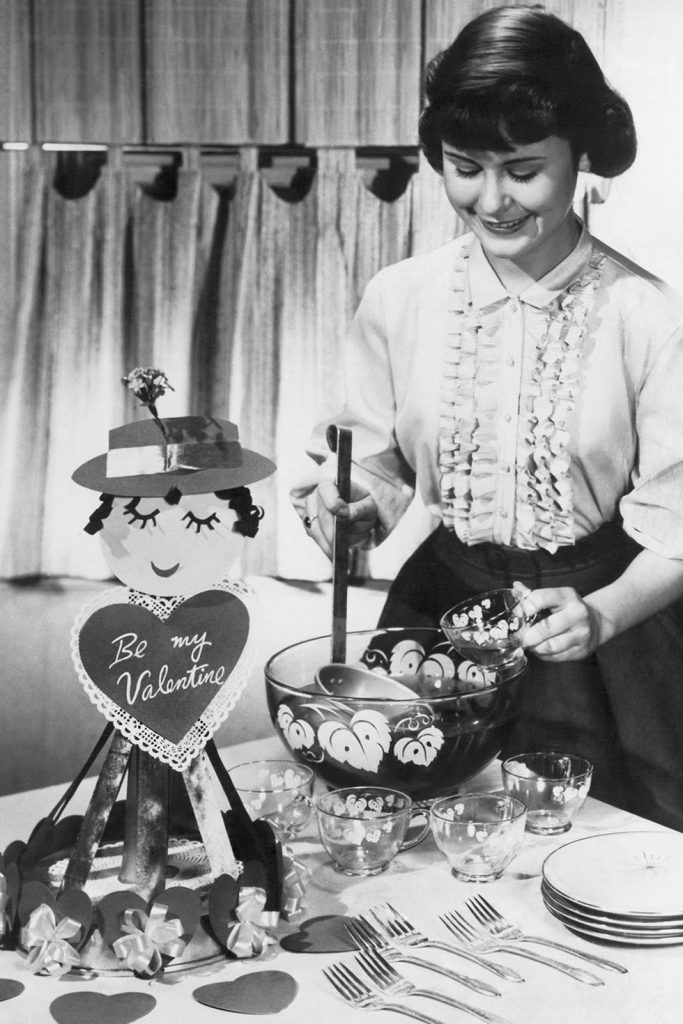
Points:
[(164, 674), (260, 992), (96, 1008), (326, 934)]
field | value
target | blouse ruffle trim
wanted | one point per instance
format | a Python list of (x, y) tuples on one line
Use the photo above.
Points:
[(468, 452)]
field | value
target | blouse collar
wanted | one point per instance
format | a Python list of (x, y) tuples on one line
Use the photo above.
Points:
[(486, 287)]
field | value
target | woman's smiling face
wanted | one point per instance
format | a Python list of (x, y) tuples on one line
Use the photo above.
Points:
[(517, 203), (171, 550)]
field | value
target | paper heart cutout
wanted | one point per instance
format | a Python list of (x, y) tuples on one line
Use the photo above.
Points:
[(96, 1008), (325, 934), (50, 837), (165, 674), (255, 845), (10, 989), (180, 902), (110, 910), (184, 904), (13, 883), (32, 895), (223, 899), (260, 992), (14, 852), (254, 873), (74, 903)]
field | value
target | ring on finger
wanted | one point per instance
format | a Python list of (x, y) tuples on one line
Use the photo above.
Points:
[(308, 521)]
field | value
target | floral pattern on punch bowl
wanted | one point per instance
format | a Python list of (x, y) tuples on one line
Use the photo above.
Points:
[(426, 745)]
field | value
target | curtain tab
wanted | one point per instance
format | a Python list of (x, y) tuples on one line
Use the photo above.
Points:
[(190, 158), (339, 159), (38, 158), (247, 159), (115, 158)]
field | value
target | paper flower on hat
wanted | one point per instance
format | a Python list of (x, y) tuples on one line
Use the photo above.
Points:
[(148, 385), (184, 454)]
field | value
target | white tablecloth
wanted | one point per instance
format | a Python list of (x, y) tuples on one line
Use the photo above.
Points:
[(418, 883)]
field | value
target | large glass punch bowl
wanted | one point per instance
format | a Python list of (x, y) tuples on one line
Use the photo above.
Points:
[(426, 745)]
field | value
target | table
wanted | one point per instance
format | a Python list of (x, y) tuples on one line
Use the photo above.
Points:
[(419, 884)]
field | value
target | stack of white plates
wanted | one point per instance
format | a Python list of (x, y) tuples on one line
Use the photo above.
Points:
[(622, 887)]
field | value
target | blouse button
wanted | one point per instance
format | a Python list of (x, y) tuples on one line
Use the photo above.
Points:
[(511, 361), (504, 515), (507, 417)]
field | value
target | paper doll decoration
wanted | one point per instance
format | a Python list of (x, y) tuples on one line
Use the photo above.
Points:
[(165, 659)]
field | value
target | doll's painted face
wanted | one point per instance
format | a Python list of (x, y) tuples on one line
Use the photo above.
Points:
[(171, 550)]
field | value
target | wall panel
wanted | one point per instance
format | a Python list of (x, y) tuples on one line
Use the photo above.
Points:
[(643, 214), (15, 80), (87, 71), (217, 71), (357, 72)]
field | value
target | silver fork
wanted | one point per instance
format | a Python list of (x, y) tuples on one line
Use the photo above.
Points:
[(481, 940), (387, 978), (499, 926), (356, 992), (401, 931), (366, 937)]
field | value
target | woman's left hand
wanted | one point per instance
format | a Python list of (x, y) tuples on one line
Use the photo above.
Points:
[(569, 632)]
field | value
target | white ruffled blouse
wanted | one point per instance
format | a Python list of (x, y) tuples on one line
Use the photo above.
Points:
[(527, 420)]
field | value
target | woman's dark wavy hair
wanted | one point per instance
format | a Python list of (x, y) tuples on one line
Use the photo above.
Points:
[(515, 75)]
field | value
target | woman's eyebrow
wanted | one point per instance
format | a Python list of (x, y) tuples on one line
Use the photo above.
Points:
[(531, 158), (459, 156)]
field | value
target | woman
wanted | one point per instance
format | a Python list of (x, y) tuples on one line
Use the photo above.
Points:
[(525, 380)]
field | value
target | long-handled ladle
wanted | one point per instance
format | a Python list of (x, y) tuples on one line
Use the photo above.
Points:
[(339, 441), (338, 677)]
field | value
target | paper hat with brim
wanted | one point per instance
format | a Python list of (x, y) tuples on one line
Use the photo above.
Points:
[(198, 455)]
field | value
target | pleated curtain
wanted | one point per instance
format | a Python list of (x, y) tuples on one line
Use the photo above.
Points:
[(241, 296)]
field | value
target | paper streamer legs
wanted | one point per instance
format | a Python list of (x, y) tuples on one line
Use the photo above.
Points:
[(201, 789), (146, 820), (97, 815)]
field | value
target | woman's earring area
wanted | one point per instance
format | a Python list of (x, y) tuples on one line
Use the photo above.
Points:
[(584, 164)]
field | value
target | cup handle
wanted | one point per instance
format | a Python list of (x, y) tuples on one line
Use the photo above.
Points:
[(419, 811)]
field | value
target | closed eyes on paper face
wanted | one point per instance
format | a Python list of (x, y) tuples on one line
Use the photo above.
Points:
[(171, 550)]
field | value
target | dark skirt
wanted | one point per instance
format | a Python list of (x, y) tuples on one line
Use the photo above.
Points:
[(622, 708)]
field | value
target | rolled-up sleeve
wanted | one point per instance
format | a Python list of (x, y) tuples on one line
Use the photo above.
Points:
[(653, 510)]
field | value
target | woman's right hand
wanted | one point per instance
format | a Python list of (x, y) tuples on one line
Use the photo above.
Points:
[(325, 503)]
